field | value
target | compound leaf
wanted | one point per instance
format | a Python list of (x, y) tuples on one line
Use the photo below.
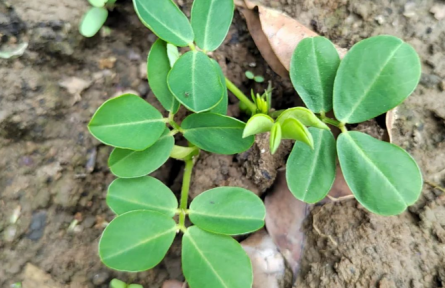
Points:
[(312, 71), (293, 129), (165, 19), (205, 258), (127, 122), (228, 210), (144, 193), (126, 163), (92, 21), (275, 137), (211, 21), (221, 108), (137, 240), (304, 115), (376, 75), (216, 133), (383, 177), (158, 66), (310, 173), (258, 123), (195, 82)]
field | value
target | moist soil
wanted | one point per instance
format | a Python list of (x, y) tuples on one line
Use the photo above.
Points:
[(54, 174)]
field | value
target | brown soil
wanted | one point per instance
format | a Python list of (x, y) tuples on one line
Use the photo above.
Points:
[(54, 172)]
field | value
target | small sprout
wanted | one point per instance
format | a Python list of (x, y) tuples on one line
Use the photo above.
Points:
[(116, 283), (250, 75), (259, 79), (256, 78)]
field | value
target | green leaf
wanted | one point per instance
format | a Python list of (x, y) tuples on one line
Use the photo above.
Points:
[(211, 21), (275, 137), (383, 177), (310, 173), (165, 19), (259, 79), (312, 71), (135, 286), (97, 3), (258, 123), (221, 108), (92, 21), (250, 75), (143, 193), (376, 75), (182, 153), (172, 53), (195, 82), (304, 115), (216, 133), (127, 122), (214, 261), (158, 66), (293, 129), (228, 210), (126, 163), (137, 240), (116, 283)]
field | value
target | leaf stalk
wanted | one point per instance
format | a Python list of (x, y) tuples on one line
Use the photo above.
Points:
[(241, 96), (185, 192)]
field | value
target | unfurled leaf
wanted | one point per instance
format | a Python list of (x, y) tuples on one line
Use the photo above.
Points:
[(172, 53), (165, 19), (275, 137), (127, 122), (310, 173), (228, 210), (221, 108), (97, 3), (211, 21), (137, 240), (195, 82), (206, 257), (258, 123), (92, 21), (158, 66), (250, 75), (383, 177), (304, 115), (293, 129), (126, 163), (259, 79), (312, 71), (143, 193), (376, 75), (216, 133)]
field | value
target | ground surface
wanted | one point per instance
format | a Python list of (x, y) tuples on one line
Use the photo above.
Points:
[(53, 172)]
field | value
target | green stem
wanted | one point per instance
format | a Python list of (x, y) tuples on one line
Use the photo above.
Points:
[(241, 96), (333, 122), (185, 192), (192, 46)]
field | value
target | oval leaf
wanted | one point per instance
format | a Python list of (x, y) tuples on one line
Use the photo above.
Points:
[(376, 75), (312, 71), (137, 240), (211, 21), (165, 19), (195, 82), (144, 193), (205, 258), (304, 115), (258, 123), (293, 129), (275, 137), (126, 163), (383, 177), (92, 21), (97, 3), (128, 122), (158, 66), (221, 108), (228, 210), (311, 173), (216, 133)]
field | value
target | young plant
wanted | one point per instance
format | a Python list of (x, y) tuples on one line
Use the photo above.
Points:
[(375, 76), (251, 76), (148, 214), (95, 18), (116, 283)]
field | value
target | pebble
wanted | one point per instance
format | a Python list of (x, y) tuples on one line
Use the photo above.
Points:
[(100, 278), (10, 233), (37, 226)]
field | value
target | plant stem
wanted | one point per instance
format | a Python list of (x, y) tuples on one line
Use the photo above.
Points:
[(192, 46), (241, 96), (185, 192), (333, 122), (436, 186)]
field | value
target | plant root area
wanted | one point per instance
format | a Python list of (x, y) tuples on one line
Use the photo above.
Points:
[(54, 174)]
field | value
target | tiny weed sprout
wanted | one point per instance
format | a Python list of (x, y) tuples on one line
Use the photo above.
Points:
[(95, 17), (116, 283), (251, 76), (374, 77)]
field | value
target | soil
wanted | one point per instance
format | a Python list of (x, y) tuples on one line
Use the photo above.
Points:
[(54, 175)]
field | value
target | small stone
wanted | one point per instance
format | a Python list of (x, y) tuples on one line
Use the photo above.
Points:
[(37, 226), (380, 19), (100, 278), (442, 85), (107, 63), (35, 277), (143, 89), (143, 70), (438, 10), (10, 233)]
